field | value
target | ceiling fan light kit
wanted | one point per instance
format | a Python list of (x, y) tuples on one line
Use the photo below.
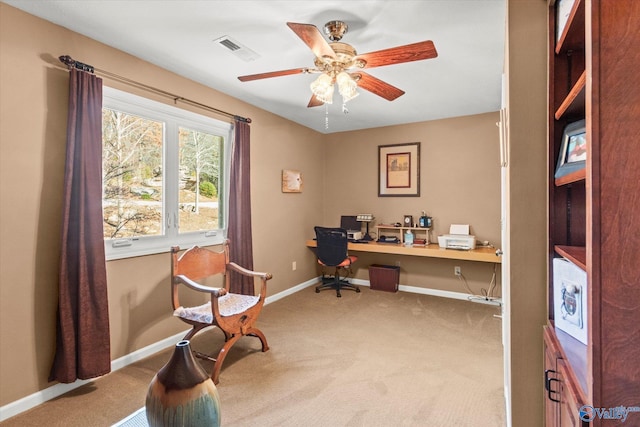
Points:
[(322, 88), (339, 63), (346, 86)]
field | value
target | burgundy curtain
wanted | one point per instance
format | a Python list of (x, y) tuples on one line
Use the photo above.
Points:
[(241, 247), (82, 342)]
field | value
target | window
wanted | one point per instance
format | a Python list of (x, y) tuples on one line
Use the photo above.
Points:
[(164, 178)]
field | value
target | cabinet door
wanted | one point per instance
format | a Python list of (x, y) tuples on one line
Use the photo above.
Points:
[(551, 397), (552, 386), (569, 405)]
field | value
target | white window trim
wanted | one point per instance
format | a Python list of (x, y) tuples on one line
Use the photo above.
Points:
[(173, 116)]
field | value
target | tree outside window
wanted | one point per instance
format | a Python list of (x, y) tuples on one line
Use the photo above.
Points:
[(164, 176)]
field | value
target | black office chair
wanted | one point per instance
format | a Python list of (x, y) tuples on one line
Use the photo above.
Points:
[(332, 252)]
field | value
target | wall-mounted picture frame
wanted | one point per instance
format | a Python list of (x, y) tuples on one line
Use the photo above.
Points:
[(399, 170), (291, 181), (573, 149)]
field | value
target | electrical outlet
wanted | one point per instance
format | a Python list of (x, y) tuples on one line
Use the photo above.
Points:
[(457, 270), (293, 266)]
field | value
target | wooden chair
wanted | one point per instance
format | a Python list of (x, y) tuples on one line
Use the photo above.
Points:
[(234, 314)]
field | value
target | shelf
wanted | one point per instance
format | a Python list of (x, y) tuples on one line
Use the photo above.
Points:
[(417, 231), (572, 37), (575, 254), (574, 103), (393, 227), (576, 176), (429, 251)]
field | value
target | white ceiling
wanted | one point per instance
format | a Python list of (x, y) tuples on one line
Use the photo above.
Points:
[(179, 35)]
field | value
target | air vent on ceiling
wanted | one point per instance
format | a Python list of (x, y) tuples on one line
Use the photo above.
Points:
[(237, 48)]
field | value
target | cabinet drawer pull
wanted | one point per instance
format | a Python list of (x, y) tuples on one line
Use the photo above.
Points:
[(546, 378), (547, 384)]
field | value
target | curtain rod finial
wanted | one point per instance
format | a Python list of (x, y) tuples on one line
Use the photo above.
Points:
[(72, 63), (67, 60)]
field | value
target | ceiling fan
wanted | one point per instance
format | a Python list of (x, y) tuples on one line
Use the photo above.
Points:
[(338, 62)]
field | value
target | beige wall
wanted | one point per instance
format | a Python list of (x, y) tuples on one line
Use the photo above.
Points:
[(32, 139), (527, 204), (459, 183), (340, 172)]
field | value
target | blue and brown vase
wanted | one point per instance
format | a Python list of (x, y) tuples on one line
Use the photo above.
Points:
[(182, 393)]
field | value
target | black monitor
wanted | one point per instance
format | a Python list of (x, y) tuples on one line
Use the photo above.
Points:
[(350, 223)]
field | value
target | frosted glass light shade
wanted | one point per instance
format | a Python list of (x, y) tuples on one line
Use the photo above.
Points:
[(346, 86), (323, 88)]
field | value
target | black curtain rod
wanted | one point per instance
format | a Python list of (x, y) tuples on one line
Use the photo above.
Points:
[(72, 63)]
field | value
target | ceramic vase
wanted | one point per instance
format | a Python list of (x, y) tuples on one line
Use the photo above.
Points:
[(182, 393)]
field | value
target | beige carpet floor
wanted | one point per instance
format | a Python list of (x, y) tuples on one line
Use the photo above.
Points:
[(366, 359)]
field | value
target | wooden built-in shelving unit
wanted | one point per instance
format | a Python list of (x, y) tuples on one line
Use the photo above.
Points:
[(594, 213)]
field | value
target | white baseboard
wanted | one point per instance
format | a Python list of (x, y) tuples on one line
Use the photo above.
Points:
[(290, 291), (403, 288), (14, 408), (434, 292), (427, 291)]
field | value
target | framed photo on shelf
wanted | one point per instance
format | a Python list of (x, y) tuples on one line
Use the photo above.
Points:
[(291, 181), (573, 149), (399, 170)]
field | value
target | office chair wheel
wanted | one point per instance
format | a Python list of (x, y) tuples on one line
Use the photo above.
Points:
[(357, 290), (317, 291)]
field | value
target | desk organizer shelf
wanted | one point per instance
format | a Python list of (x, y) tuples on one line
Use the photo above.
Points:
[(392, 230)]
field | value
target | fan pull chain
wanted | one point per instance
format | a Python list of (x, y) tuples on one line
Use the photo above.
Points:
[(345, 110), (326, 116)]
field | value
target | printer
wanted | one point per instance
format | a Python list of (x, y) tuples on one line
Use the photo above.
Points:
[(354, 235), (352, 225), (458, 238)]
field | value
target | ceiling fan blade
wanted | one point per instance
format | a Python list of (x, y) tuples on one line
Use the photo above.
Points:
[(377, 86), (273, 74), (312, 37), (314, 102), (399, 54)]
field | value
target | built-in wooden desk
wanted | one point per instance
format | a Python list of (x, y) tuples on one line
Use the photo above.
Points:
[(432, 250)]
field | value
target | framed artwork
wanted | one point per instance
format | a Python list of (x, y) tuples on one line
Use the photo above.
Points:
[(399, 170), (573, 150), (291, 181)]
